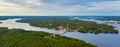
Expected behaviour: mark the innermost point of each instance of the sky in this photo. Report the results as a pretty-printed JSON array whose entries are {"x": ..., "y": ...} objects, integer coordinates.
[{"x": 59, "y": 7}]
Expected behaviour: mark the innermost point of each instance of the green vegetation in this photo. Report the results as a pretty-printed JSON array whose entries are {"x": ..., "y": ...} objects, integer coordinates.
[
  {"x": 70, "y": 25},
  {"x": 22, "y": 38}
]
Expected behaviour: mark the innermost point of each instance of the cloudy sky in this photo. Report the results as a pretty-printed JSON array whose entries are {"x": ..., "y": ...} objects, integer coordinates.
[{"x": 59, "y": 7}]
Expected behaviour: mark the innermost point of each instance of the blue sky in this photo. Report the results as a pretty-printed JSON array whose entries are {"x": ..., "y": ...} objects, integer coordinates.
[{"x": 60, "y": 7}]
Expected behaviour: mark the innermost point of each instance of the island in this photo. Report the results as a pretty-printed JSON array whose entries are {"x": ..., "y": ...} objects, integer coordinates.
[
  {"x": 0, "y": 22},
  {"x": 22, "y": 38},
  {"x": 70, "y": 25}
]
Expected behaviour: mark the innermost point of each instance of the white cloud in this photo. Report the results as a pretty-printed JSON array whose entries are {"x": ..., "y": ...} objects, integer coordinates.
[
  {"x": 108, "y": 5},
  {"x": 12, "y": 8},
  {"x": 37, "y": 7}
]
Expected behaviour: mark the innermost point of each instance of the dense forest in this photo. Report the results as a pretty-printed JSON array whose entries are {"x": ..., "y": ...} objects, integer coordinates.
[
  {"x": 70, "y": 25},
  {"x": 22, "y": 38}
]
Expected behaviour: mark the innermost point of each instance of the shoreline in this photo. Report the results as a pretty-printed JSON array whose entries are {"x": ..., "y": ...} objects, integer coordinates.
[{"x": 76, "y": 35}]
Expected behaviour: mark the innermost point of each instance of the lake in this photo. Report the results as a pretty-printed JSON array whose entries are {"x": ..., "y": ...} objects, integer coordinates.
[{"x": 101, "y": 40}]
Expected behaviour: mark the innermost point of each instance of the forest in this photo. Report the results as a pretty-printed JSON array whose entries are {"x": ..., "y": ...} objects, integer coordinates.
[
  {"x": 22, "y": 38},
  {"x": 70, "y": 25}
]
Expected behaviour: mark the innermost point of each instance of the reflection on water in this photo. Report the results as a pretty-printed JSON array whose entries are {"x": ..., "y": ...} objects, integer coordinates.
[{"x": 102, "y": 40}]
